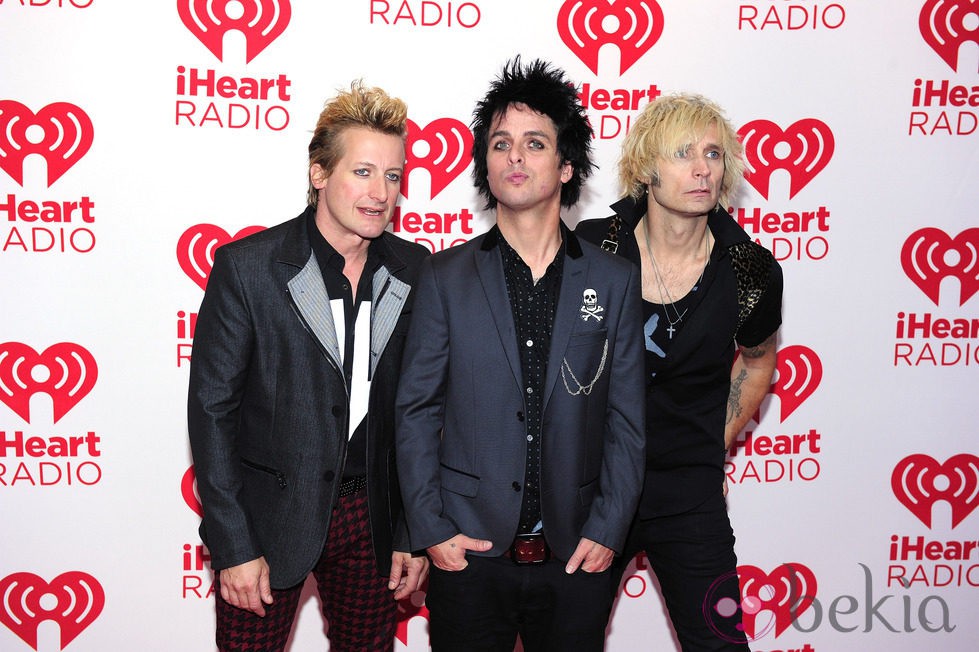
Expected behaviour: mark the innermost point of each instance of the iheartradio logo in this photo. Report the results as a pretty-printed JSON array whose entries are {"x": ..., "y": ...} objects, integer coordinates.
[
  {"x": 919, "y": 481},
  {"x": 195, "y": 249},
  {"x": 802, "y": 150},
  {"x": 443, "y": 148},
  {"x": 259, "y": 21},
  {"x": 929, "y": 255},
  {"x": 784, "y": 594},
  {"x": 73, "y": 600},
  {"x": 943, "y": 25},
  {"x": 61, "y": 133},
  {"x": 65, "y": 371},
  {"x": 798, "y": 373},
  {"x": 188, "y": 489},
  {"x": 633, "y": 26}
]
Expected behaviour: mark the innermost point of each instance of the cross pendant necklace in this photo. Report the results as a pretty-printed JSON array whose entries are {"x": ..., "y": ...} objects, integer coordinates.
[{"x": 664, "y": 292}]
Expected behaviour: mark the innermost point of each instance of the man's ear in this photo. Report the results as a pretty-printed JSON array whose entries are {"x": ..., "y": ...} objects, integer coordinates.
[
  {"x": 318, "y": 176},
  {"x": 567, "y": 171}
]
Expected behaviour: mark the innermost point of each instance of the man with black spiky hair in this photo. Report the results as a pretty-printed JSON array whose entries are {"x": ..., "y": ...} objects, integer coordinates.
[{"x": 519, "y": 413}]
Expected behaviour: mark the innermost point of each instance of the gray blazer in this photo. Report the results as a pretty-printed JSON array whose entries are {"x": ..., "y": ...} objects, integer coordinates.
[
  {"x": 461, "y": 437},
  {"x": 267, "y": 407}
]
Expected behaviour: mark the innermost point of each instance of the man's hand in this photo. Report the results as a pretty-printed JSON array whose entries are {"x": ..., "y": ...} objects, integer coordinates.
[
  {"x": 407, "y": 574},
  {"x": 450, "y": 555},
  {"x": 246, "y": 586},
  {"x": 590, "y": 556}
]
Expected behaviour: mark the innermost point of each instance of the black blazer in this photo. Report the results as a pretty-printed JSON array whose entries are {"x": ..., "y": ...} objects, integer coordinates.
[{"x": 267, "y": 408}]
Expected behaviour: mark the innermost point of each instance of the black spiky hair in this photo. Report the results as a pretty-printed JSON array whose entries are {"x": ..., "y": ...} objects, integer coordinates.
[{"x": 545, "y": 89}]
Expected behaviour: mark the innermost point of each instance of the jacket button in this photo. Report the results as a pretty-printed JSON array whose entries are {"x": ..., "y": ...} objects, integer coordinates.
[
  {"x": 328, "y": 476},
  {"x": 337, "y": 411},
  {"x": 519, "y": 415},
  {"x": 516, "y": 486}
]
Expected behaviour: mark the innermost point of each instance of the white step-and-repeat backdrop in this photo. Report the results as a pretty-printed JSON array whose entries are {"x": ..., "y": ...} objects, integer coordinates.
[{"x": 135, "y": 137}]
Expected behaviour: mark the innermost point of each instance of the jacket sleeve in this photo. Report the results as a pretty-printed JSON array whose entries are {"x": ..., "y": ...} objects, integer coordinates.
[
  {"x": 623, "y": 460},
  {"x": 223, "y": 345},
  {"x": 419, "y": 414}
]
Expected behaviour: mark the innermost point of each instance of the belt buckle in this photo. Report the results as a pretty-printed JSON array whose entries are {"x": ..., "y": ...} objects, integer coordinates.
[{"x": 530, "y": 549}]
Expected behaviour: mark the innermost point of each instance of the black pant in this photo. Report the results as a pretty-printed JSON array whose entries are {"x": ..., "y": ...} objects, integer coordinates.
[
  {"x": 693, "y": 557},
  {"x": 484, "y": 606}
]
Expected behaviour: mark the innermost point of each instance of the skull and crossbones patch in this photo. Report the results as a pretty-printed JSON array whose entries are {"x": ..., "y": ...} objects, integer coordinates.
[{"x": 590, "y": 307}]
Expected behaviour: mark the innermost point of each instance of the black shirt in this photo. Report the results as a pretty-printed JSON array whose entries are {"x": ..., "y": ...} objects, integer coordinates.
[
  {"x": 687, "y": 388},
  {"x": 338, "y": 287},
  {"x": 533, "y": 306}
]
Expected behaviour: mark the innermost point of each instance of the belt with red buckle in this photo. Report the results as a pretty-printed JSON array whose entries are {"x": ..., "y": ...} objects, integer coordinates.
[{"x": 529, "y": 549}]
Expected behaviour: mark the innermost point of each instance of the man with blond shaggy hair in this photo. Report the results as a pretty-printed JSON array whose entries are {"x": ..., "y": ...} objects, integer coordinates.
[
  {"x": 708, "y": 290},
  {"x": 291, "y": 405}
]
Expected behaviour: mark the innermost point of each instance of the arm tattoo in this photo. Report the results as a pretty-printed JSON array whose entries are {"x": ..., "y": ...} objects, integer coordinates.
[
  {"x": 734, "y": 397},
  {"x": 754, "y": 352}
]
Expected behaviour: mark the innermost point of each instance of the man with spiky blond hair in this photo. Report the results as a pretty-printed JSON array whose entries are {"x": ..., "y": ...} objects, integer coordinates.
[
  {"x": 291, "y": 404},
  {"x": 708, "y": 290}
]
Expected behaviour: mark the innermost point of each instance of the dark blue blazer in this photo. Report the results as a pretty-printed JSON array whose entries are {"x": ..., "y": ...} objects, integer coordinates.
[{"x": 461, "y": 437}]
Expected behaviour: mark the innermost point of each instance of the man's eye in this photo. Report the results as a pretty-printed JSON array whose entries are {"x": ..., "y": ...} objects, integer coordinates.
[
  {"x": 714, "y": 154},
  {"x": 535, "y": 144},
  {"x": 362, "y": 172},
  {"x": 394, "y": 177},
  {"x": 501, "y": 145},
  {"x": 680, "y": 153}
]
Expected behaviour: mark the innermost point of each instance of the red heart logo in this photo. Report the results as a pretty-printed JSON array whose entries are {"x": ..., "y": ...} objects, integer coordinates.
[
  {"x": 929, "y": 255},
  {"x": 787, "y": 592},
  {"x": 66, "y": 136},
  {"x": 943, "y": 25},
  {"x": 798, "y": 373},
  {"x": 633, "y": 26},
  {"x": 195, "y": 249},
  {"x": 443, "y": 147},
  {"x": 77, "y": 599},
  {"x": 260, "y": 22},
  {"x": 919, "y": 481},
  {"x": 802, "y": 150},
  {"x": 65, "y": 371}
]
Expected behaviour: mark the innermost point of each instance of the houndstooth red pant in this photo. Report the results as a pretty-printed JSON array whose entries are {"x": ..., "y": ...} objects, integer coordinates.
[{"x": 357, "y": 604}]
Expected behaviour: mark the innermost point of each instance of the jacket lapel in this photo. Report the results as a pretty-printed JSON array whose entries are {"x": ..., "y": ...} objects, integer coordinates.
[
  {"x": 566, "y": 315},
  {"x": 489, "y": 267},
  {"x": 388, "y": 296},
  {"x": 309, "y": 293}
]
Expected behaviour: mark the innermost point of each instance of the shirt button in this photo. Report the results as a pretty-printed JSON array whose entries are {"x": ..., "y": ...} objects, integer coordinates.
[
  {"x": 337, "y": 411},
  {"x": 530, "y": 438},
  {"x": 530, "y": 343},
  {"x": 519, "y": 415},
  {"x": 516, "y": 486},
  {"x": 530, "y": 390}
]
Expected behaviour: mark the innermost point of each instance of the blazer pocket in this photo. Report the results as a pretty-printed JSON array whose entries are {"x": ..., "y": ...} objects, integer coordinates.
[
  {"x": 458, "y": 482},
  {"x": 279, "y": 476},
  {"x": 590, "y": 338},
  {"x": 586, "y": 492}
]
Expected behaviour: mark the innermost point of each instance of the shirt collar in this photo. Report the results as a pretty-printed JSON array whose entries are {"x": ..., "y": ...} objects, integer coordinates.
[
  {"x": 377, "y": 250},
  {"x": 569, "y": 241}
]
